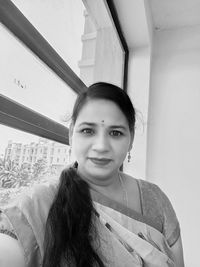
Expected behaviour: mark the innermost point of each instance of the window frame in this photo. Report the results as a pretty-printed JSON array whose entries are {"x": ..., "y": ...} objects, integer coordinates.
[
  {"x": 115, "y": 18},
  {"x": 22, "y": 118},
  {"x": 17, "y": 116}
]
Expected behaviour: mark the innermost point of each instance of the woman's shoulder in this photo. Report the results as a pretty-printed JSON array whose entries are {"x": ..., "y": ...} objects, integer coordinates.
[
  {"x": 28, "y": 215},
  {"x": 38, "y": 193},
  {"x": 149, "y": 194},
  {"x": 148, "y": 190},
  {"x": 31, "y": 207},
  {"x": 32, "y": 203},
  {"x": 153, "y": 199},
  {"x": 42, "y": 192},
  {"x": 152, "y": 194},
  {"x": 158, "y": 205},
  {"x": 37, "y": 200}
]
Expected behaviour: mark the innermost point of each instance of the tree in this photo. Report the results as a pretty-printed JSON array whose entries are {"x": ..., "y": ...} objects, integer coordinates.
[
  {"x": 39, "y": 168},
  {"x": 8, "y": 174},
  {"x": 25, "y": 175}
]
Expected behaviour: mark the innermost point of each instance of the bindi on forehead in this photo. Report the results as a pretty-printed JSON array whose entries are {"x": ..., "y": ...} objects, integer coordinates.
[{"x": 102, "y": 123}]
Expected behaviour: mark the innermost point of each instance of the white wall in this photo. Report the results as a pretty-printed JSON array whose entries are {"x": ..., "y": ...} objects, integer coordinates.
[
  {"x": 173, "y": 154},
  {"x": 138, "y": 89}
]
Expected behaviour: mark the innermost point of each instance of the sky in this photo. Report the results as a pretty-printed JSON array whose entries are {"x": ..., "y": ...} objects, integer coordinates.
[{"x": 27, "y": 80}]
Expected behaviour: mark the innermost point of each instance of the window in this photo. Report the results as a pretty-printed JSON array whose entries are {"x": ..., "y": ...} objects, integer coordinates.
[
  {"x": 30, "y": 82},
  {"x": 103, "y": 54},
  {"x": 61, "y": 23},
  {"x": 94, "y": 50},
  {"x": 18, "y": 172},
  {"x": 43, "y": 69}
]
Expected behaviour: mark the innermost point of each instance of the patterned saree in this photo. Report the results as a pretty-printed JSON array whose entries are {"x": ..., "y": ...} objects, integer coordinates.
[{"x": 126, "y": 238}]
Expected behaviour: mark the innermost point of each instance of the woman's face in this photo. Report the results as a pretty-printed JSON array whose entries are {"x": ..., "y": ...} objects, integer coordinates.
[{"x": 100, "y": 139}]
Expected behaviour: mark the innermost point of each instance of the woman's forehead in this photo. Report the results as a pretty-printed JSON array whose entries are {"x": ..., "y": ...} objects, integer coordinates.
[{"x": 101, "y": 111}]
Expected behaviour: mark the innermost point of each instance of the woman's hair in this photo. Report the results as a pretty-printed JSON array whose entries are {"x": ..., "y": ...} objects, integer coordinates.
[
  {"x": 110, "y": 92},
  {"x": 70, "y": 228}
]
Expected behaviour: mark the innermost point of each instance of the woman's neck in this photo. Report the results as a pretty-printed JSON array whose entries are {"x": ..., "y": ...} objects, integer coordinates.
[
  {"x": 110, "y": 186},
  {"x": 103, "y": 184}
]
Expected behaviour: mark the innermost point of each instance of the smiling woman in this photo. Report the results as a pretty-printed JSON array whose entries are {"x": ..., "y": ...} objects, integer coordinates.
[
  {"x": 97, "y": 215},
  {"x": 100, "y": 148}
]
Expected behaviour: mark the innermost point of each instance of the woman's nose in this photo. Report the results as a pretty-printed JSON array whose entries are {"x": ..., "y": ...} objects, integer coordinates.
[{"x": 101, "y": 143}]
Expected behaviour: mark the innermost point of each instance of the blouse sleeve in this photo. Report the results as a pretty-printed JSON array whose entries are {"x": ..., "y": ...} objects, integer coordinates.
[
  {"x": 6, "y": 226},
  {"x": 27, "y": 215},
  {"x": 157, "y": 206},
  {"x": 171, "y": 228}
]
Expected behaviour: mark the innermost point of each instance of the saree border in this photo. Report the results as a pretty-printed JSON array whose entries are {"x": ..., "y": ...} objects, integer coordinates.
[{"x": 106, "y": 201}]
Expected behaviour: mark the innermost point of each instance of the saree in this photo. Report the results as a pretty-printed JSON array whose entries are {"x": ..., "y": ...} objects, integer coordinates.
[
  {"x": 124, "y": 240},
  {"x": 145, "y": 244}
]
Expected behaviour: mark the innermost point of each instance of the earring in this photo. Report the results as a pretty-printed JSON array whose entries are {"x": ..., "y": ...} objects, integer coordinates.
[
  {"x": 69, "y": 152},
  {"x": 129, "y": 156}
]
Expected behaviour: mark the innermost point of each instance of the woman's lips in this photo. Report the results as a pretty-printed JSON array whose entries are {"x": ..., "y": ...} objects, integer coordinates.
[{"x": 100, "y": 161}]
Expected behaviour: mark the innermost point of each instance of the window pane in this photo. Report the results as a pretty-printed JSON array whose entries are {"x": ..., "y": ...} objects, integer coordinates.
[
  {"x": 60, "y": 23},
  {"x": 27, "y": 80},
  {"x": 102, "y": 54},
  {"x": 26, "y": 160},
  {"x": 84, "y": 35}
]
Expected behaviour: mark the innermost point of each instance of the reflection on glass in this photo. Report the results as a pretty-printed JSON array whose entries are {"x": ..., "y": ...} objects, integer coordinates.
[
  {"x": 28, "y": 81},
  {"x": 26, "y": 160},
  {"x": 60, "y": 23}
]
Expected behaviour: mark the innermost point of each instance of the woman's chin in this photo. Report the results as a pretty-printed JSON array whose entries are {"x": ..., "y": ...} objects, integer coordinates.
[{"x": 91, "y": 170}]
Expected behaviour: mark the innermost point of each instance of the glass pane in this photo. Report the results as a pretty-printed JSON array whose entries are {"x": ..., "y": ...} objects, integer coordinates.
[
  {"x": 28, "y": 81},
  {"x": 26, "y": 160},
  {"x": 102, "y": 53},
  {"x": 60, "y": 23},
  {"x": 84, "y": 35}
]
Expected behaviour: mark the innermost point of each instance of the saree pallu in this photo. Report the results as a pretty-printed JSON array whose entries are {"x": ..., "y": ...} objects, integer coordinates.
[
  {"x": 122, "y": 240},
  {"x": 130, "y": 242}
]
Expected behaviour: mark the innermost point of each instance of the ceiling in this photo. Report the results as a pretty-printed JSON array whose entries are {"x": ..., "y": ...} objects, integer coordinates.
[{"x": 139, "y": 18}]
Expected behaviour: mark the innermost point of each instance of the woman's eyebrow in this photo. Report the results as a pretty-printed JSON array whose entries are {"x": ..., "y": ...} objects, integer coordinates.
[
  {"x": 87, "y": 124},
  {"x": 92, "y": 124},
  {"x": 118, "y": 127}
]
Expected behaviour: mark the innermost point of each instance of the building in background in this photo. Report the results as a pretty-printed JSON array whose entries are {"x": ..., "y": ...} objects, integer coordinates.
[{"x": 54, "y": 154}]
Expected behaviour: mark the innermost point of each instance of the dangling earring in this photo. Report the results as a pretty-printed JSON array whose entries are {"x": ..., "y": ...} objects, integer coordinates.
[
  {"x": 69, "y": 153},
  {"x": 129, "y": 156}
]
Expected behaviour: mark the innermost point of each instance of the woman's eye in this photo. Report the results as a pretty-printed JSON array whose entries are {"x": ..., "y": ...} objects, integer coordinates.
[
  {"x": 116, "y": 133},
  {"x": 87, "y": 131}
]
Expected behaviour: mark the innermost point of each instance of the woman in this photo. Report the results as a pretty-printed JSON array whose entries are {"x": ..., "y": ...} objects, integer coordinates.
[{"x": 97, "y": 215}]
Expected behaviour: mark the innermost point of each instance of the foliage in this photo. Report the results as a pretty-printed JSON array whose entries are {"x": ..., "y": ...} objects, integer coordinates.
[
  {"x": 8, "y": 174},
  {"x": 14, "y": 178},
  {"x": 39, "y": 168}
]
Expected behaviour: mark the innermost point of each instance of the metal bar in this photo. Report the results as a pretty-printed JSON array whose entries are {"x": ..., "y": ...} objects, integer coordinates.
[
  {"x": 17, "y": 23},
  {"x": 122, "y": 39},
  {"x": 18, "y": 116}
]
